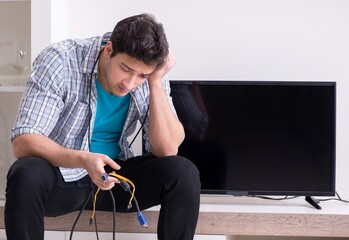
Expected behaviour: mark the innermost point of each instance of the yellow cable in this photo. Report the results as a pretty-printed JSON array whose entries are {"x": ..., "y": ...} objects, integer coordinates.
[
  {"x": 94, "y": 204},
  {"x": 113, "y": 174}
]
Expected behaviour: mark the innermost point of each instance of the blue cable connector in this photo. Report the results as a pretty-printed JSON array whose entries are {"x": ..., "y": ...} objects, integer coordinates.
[{"x": 142, "y": 220}]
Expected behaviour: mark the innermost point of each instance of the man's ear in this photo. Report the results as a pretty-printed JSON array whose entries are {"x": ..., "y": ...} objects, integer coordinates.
[{"x": 109, "y": 48}]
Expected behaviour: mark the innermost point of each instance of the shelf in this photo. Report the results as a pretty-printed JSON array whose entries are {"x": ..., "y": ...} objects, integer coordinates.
[
  {"x": 12, "y": 83},
  {"x": 18, "y": 89},
  {"x": 246, "y": 217}
]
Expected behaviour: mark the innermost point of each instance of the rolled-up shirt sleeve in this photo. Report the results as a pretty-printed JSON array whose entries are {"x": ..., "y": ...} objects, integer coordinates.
[{"x": 41, "y": 102}]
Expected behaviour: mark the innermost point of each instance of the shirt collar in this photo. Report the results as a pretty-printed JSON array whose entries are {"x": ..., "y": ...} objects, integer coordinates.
[{"x": 92, "y": 54}]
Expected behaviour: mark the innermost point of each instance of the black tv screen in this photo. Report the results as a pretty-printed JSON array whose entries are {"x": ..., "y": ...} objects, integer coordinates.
[{"x": 259, "y": 137}]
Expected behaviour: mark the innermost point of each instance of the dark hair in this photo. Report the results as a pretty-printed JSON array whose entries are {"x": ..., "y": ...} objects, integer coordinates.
[{"x": 141, "y": 37}]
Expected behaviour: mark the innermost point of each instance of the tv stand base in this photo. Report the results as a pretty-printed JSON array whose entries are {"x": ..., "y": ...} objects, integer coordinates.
[{"x": 312, "y": 201}]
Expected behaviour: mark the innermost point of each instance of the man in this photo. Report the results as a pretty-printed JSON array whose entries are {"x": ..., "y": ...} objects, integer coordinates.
[{"x": 81, "y": 103}]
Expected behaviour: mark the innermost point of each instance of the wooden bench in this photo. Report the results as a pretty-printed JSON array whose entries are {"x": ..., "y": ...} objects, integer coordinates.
[{"x": 217, "y": 223}]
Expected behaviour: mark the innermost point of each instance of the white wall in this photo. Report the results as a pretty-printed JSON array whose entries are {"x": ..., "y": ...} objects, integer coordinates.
[{"x": 242, "y": 40}]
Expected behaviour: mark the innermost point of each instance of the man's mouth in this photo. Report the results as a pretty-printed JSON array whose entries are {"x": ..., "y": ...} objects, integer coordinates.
[{"x": 123, "y": 89}]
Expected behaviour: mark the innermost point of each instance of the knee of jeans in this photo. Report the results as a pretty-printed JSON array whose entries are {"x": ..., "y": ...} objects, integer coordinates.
[
  {"x": 186, "y": 171},
  {"x": 27, "y": 172}
]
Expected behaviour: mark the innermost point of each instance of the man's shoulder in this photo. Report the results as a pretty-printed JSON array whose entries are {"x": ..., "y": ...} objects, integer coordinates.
[
  {"x": 72, "y": 51},
  {"x": 74, "y": 45}
]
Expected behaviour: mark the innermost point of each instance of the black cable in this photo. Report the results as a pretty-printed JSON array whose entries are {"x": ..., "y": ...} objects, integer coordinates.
[
  {"x": 272, "y": 198},
  {"x": 96, "y": 228},
  {"x": 114, "y": 212},
  {"x": 338, "y": 198},
  {"x": 124, "y": 184},
  {"x": 79, "y": 214},
  {"x": 141, "y": 218},
  {"x": 143, "y": 122},
  {"x": 135, "y": 201},
  {"x": 127, "y": 188},
  {"x": 334, "y": 199},
  {"x": 89, "y": 146},
  {"x": 89, "y": 98}
]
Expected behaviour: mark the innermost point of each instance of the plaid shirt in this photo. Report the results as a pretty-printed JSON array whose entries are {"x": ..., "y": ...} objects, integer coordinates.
[{"x": 55, "y": 102}]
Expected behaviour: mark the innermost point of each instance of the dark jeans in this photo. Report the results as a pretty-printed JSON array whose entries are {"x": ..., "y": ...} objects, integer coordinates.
[{"x": 36, "y": 189}]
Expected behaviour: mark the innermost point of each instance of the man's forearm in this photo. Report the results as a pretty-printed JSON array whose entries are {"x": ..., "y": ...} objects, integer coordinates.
[
  {"x": 41, "y": 146},
  {"x": 166, "y": 132}
]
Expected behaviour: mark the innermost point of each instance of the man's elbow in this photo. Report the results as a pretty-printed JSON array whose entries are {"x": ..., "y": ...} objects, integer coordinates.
[
  {"x": 166, "y": 151},
  {"x": 16, "y": 149},
  {"x": 19, "y": 147}
]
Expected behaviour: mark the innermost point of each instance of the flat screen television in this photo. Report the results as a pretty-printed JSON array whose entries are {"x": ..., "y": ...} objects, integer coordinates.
[{"x": 260, "y": 137}]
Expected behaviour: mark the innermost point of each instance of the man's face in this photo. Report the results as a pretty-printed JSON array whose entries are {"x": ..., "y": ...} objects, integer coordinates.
[{"x": 124, "y": 73}]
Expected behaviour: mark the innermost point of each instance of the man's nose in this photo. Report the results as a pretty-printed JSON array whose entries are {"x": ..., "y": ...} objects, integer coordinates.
[{"x": 130, "y": 82}]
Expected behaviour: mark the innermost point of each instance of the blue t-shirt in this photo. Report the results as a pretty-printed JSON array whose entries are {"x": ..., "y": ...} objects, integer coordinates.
[{"x": 110, "y": 119}]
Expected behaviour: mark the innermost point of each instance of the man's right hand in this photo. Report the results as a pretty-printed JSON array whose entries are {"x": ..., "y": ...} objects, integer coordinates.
[{"x": 94, "y": 163}]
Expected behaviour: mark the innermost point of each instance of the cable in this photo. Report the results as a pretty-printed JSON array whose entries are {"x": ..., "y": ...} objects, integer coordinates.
[
  {"x": 143, "y": 122},
  {"x": 79, "y": 214},
  {"x": 124, "y": 182},
  {"x": 96, "y": 228},
  {"x": 335, "y": 199},
  {"x": 89, "y": 147},
  {"x": 114, "y": 211},
  {"x": 89, "y": 104},
  {"x": 95, "y": 221},
  {"x": 89, "y": 97},
  {"x": 338, "y": 198},
  {"x": 271, "y": 198}
]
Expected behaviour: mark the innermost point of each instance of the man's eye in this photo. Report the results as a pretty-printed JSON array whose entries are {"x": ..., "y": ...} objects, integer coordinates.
[{"x": 125, "y": 69}]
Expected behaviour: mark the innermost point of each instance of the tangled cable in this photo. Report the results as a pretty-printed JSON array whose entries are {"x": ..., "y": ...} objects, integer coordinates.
[{"x": 126, "y": 184}]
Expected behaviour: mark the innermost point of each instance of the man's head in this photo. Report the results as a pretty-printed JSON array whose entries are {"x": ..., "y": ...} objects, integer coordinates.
[
  {"x": 138, "y": 45},
  {"x": 140, "y": 37}
]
